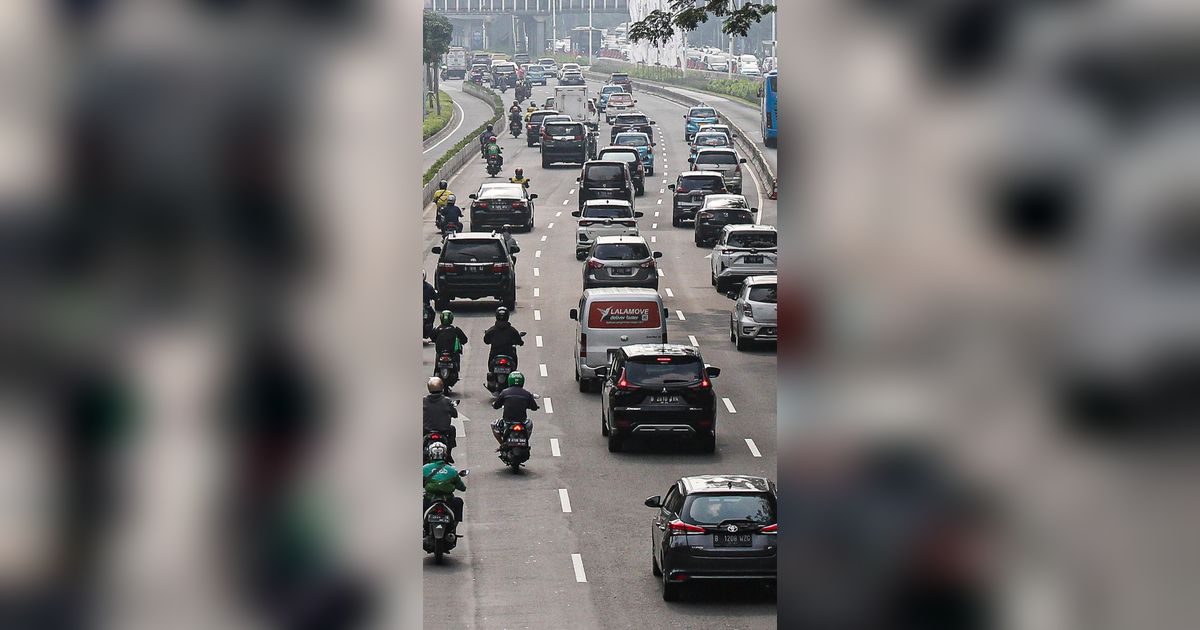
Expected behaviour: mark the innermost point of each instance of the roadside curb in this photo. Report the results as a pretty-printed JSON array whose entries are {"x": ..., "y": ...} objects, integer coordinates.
[{"x": 464, "y": 155}]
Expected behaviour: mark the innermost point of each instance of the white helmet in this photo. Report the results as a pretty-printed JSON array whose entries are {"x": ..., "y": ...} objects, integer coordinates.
[{"x": 437, "y": 451}]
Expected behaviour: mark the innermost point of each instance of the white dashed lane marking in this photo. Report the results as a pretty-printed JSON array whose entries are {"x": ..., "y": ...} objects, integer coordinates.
[
  {"x": 565, "y": 500},
  {"x": 565, "y": 201},
  {"x": 537, "y": 292},
  {"x": 656, "y": 213},
  {"x": 536, "y": 272},
  {"x": 538, "y": 341},
  {"x": 577, "y": 560},
  {"x": 554, "y": 448},
  {"x": 537, "y": 254},
  {"x": 729, "y": 405},
  {"x": 679, "y": 314},
  {"x": 692, "y": 338},
  {"x": 670, "y": 293},
  {"x": 653, "y": 226},
  {"x": 659, "y": 203},
  {"x": 542, "y": 369},
  {"x": 753, "y": 448},
  {"x": 549, "y": 405},
  {"x": 537, "y": 315},
  {"x": 543, "y": 238},
  {"x": 551, "y": 226},
  {"x": 558, "y": 214},
  {"x": 653, "y": 239}
]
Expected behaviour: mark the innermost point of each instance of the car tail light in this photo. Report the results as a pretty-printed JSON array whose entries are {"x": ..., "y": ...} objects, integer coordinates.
[
  {"x": 649, "y": 264},
  {"x": 681, "y": 189},
  {"x": 592, "y": 264},
  {"x": 679, "y": 577},
  {"x": 678, "y": 527},
  {"x": 747, "y": 310},
  {"x": 518, "y": 427},
  {"x": 737, "y": 169},
  {"x": 578, "y": 138},
  {"x": 703, "y": 384},
  {"x": 623, "y": 383},
  {"x": 585, "y": 223},
  {"x": 582, "y": 345},
  {"x": 479, "y": 204},
  {"x": 704, "y": 216},
  {"x": 499, "y": 267},
  {"x": 770, "y": 529},
  {"x": 518, "y": 204},
  {"x": 447, "y": 266}
]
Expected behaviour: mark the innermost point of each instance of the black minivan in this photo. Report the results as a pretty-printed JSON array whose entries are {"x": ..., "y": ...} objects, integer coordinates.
[
  {"x": 605, "y": 179},
  {"x": 719, "y": 211}
]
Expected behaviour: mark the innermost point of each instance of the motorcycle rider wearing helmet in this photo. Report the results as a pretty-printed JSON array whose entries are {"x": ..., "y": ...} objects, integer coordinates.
[
  {"x": 529, "y": 110},
  {"x": 451, "y": 213},
  {"x": 429, "y": 294},
  {"x": 440, "y": 479},
  {"x": 503, "y": 337},
  {"x": 493, "y": 150},
  {"x": 516, "y": 401},
  {"x": 436, "y": 413},
  {"x": 483, "y": 140},
  {"x": 442, "y": 194},
  {"x": 519, "y": 178},
  {"x": 448, "y": 338}
]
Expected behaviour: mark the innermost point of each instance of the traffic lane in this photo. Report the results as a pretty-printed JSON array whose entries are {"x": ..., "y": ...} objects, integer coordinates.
[{"x": 473, "y": 112}]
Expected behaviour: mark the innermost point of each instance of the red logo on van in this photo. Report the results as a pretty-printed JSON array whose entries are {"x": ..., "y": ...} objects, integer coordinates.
[{"x": 624, "y": 315}]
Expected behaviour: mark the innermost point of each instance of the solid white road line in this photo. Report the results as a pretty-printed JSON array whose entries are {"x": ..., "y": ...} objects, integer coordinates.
[
  {"x": 462, "y": 117},
  {"x": 679, "y": 314},
  {"x": 554, "y": 448},
  {"x": 577, "y": 560},
  {"x": 566, "y": 504},
  {"x": 538, "y": 340},
  {"x": 669, "y": 293},
  {"x": 537, "y": 315},
  {"x": 542, "y": 369},
  {"x": 729, "y": 405},
  {"x": 549, "y": 405},
  {"x": 753, "y": 448},
  {"x": 692, "y": 338}
]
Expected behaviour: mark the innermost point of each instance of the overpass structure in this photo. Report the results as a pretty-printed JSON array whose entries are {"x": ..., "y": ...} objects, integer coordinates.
[{"x": 519, "y": 25}]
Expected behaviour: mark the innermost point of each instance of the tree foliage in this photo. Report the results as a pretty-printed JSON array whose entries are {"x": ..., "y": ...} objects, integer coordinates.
[
  {"x": 659, "y": 26},
  {"x": 438, "y": 30}
]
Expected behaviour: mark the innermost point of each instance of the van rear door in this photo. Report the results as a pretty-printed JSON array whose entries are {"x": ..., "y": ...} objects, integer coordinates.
[{"x": 609, "y": 320}]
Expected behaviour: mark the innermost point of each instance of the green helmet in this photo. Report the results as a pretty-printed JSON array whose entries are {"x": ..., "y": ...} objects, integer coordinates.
[
  {"x": 516, "y": 379},
  {"x": 447, "y": 318}
]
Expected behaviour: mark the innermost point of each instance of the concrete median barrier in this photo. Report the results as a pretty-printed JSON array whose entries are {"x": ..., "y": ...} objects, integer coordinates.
[{"x": 467, "y": 151}]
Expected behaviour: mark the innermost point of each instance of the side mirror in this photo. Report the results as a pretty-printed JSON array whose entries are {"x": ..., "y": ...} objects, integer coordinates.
[
  {"x": 653, "y": 144},
  {"x": 575, "y": 313},
  {"x": 638, "y": 215},
  {"x": 464, "y": 472},
  {"x": 754, "y": 210},
  {"x": 533, "y": 196},
  {"x": 635, "y": 100},
  {"x": 742, "y": 161},
  {"x": 578, "y": 179},
  {"x": 671, "y": 186},
  {"x": 651, "y": 122},
  {"x": 658, "y": 254},
  {"x": 602, "y": 371},
  {"x": 473, "y": 196},
  {"x": 576, "y": 213},
  {"x": 692, "y": 159},
  {"x": 712, "y": 371},
  {"x": 436, "y": 250},
  {"x": 516, "y": 249},
  {"x": 654, "y": 502}
]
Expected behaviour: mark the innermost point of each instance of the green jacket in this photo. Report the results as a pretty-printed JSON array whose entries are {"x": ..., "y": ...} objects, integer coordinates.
[
  {"x": 493, "y": 149},
  {"x": 441, "y": 479}
]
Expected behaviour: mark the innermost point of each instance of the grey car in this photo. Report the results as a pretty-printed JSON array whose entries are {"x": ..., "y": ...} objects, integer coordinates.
[
  {"x": 755, "y": 312},
  {"x": 620, "y": 261},
  {"x": 722, "y": 160}
]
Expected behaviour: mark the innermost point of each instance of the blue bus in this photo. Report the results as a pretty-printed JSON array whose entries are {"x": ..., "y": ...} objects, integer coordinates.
[{"x": 768, "y": 106}]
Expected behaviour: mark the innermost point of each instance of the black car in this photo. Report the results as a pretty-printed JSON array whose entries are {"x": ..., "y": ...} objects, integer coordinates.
[
  {"x": 533, "y": 126},
  {"x": 628, "y": 155},
  {"x": 690, "y": 189},
  {"x": 572, "y": 78},
  {"x": 658, "y": 388},
  {"x": 719, "y": 211},
  {"x": 622, "y": 79},
  {"x": 630, "y": 122},
  {"x": 499, "y": 204},
  {"x": 715, "y": 527},
  {"x": 476, "y": 265},
  {"x": 605, "y": 179},
  {"x": 564, "y": 142}
]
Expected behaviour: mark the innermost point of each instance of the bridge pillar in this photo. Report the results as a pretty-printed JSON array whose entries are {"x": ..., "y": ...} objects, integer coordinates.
[{"x": 535, "y": 28}]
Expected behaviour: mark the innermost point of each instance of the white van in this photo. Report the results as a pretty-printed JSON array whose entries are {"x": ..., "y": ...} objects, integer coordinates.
[
  {"x": 572, "y": 101},
  {"x": 610, "y": 318}
]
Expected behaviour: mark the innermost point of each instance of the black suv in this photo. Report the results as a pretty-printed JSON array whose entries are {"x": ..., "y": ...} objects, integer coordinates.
[
  {"x": 690, "y": 189},
  {"x": 533, "y": 126},
  {"x": 605, "y": 179},
  {"x": 709, "y": 527},
  {"x": 719, "y": 211},
  {"x": 658, "y": 388},
  {"x": 630, "y": 122},
  {"x": 633, "y": 160},
  {"x": 499, "y": 204},
  {"x": 564, "y": 142},
  {"x": 476, "y": 265}
]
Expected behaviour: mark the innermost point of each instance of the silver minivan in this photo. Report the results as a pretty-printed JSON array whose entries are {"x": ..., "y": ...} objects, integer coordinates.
[
  {"x": 603, "y": 217},
  {"x": 754, "y": 316},
  {"x": 610, "y": 318},
  {"x": 621, "y": 261}
]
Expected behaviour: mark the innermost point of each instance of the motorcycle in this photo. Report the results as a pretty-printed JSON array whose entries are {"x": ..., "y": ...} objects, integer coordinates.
[
  {"x": 440, "y": 527},
  {"x": 428, "y": 315},
  {"x": 514, "y": 127},
  {"x": 514, "y": 444},
  {"x": 493, "y": 165},
  {"x": 451, "y": 227},
  {"x": 447, "y": 369}
]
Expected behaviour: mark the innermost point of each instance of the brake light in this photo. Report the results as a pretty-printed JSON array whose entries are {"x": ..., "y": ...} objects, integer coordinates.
[
  {"x": 518, "y": 204},
  {"x": 681, "y": 189},
  {"x": 499, "y": 267},
  {"x": 770, "y": 529},
  {"x": 578, "y": 137},
  {"x": 447, "y": 266},
  {"x": 623, "y": 383},
  {"x": 582, "y": 345},
  {"x": 678, "y": 527},
  {"x": 704, "y": 216},
  {"x": 518, "y": 427},
  {"x": 592, "y": 264},
  {"x": 747, "y": 310},
  {"x": 585, "y": 223},
  {"x": 737, "y": 169},
  {"x": 479, "y": 204},
  {"x": 649, "y": 264},
  {"x": 704, "y": 383}
]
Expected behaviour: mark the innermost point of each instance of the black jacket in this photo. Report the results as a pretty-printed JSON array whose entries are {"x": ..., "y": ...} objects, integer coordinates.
[
  {"x": 503, "y": 339},
  {"x": 515, "y": 401},
  {"x": 444, "y": 336},
  {"x": 436, "y": 412},
  {"x": 428, "y": 292}
]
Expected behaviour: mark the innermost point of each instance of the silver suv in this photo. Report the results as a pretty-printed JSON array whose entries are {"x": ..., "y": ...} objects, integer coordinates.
[
  {"x": 603, "y": 217},
  {"x": 754, "y": 316},
  {"x": 743, "y": 251},
  {"x": 722, "y": 160},
  {"x": 621, "y": 261}
]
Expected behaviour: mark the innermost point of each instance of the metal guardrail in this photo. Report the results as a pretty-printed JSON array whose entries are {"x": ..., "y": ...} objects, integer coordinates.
[{"x": 467, "y": 152}]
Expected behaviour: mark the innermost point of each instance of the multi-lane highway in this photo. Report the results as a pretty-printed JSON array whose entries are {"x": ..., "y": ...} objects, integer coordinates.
[{"x": 566, "y": 543}]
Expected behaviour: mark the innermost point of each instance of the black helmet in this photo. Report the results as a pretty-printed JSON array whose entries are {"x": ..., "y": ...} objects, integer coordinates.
[
  {"x": 489, "y": 127},
  {"x": 443, "y": 184},
  {"x": 520, "y": 172},
  {"x": 502, "y": 314}
]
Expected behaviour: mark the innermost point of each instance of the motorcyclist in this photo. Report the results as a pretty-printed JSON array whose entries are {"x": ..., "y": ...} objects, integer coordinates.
[
  {"x": 493, "y": 150},
  {"x": 483, "y": 140},
  {"x": 440, "y": 479},
  {"x": 436, "y": 413},
  {"x": 529, "y": 110},
  {"x": 429, "y": 294},
  {"x": 516, "y": 401},
  {"x": 448, "y": 338},
  {"x": 440, "y": 196},
  {"x": 503, "y": 337},
  {"x": 450, "y": 213},
  {"x": 519, "y": 177}
]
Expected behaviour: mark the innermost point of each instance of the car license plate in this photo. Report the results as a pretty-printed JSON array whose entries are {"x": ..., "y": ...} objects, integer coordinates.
[
  {"x": 665, "y": 400},
  {"x": 622, "y": 271},
  {"x": 604, "y": 193},
  {"x": 769, "y": 330},
  {"x": 733, "y": 540},
  {"x": 474, "y": 269},
  {"x": 752, "y": 260}
]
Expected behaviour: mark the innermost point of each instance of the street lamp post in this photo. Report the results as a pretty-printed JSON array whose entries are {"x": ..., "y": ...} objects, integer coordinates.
[{"x": 591, "y": 34}]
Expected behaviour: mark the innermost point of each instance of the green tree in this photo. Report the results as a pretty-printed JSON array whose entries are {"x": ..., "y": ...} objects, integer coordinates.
[
  {"x": 437, "y": 33},
  {"x": 686, "y": 15}
]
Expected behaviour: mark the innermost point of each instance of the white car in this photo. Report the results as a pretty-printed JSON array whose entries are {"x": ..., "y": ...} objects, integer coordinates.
[
  {"x": 603, "y": 217},
  {"x": 618, "y": 103},
  {"x": 743, "y": 251},
  {"x": 749, "y": 70},
  {"x": 755, "y": 312},
  {"x": 568, "y": 67},
  {"x": 549, "y": 65}
]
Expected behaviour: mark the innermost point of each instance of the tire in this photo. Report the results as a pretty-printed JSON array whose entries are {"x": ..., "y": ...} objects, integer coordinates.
[
  {"x": 650, "y": 171},
  {"x": 580, "y": 255},
  {"x": 584, "y": 385},
  {"x": 771, "y": 142},
  {"x": 670, "y": 590},
  {"x": 675, "y": 220},
  {"x": 438, "y": 551},
  {"x": 614, "y": 443},
  {"x": 712, "y": 277},
  {"x": 654, "y": 563},
  {"x": 516, "y": 467},
  {"x": 545, "y": 162},
  {"x": 708, "y": 444},
  {"x": 510, "y": 300},
  {"x": 732, "y": 335},
  {"x": 742, "y": 344},
  {"x": 722, "y": 286},
  {"x": 641, "y": 190}
]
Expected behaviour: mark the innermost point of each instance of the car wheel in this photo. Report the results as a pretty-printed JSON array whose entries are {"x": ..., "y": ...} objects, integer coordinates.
[
  {"x": 580, "y": 255},
  {"x": 584, "y": 385},
  {"x": 510, "y": 300},
  {"x": 614, "y": 443},
  {"x": 670, "y": 591},
  {"x": 650, "y": 171},
  {"x": 712, "y": 277},
  {"x": 641, "y": 190},
  {"x": 654, "y": 563},
  {"x": 742, "y": 343},
  {"x": 732, "y": 337},
  {"x": 675, "y": 221},
  {"x": 708, "y": 444},
  {"x": 722, "y": 286}
]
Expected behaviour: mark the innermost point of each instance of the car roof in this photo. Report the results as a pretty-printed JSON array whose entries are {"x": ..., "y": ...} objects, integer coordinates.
[
  {"x": 660, "y": 349},
  {"x": 620, "y": 240},
  {"x": 606, "y": 203},
  {"x": 623, "y": 292},
  {"x": 618, "y": 148},
  {"x": 757, "y": 280},
  {"x": 715, "y": 150},
  {"x": 547, "y": 112},
  {"x": 724, "y": 484},
  {"x": 608, "y": 162},
  {"x": 632, "y": 133},
  {"x": 701, "y": 106},
  {"x": 493, "y": 188}
]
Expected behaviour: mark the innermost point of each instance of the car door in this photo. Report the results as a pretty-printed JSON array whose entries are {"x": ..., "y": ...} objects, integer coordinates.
[
  {"x": 713, "y": 262},
  {"x": 615, "y": 364},
  {"x": 672, "y": 502}
]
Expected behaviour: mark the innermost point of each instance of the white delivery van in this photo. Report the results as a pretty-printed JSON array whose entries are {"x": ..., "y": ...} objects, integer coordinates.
[
  {"x": 610, "y": 318},
  {"x": 456, "y": 63},
  {"x": 572, "y": 101}
]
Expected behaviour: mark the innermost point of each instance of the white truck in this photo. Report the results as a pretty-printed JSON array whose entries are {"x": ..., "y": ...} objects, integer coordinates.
[
  {"x": 572, "y": 100},
  {"x": 456, "y": 63}
]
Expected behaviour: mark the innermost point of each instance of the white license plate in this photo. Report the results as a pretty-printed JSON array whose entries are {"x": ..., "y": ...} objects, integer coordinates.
[
  {"x": 518, "y": 441},
  {"x": 434, "y": 518}
]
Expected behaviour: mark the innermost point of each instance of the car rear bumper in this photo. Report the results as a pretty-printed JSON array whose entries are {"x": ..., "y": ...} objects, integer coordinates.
[
  {"x": 590, "y": 281},
  {"x": 759, "y": 331},
  {"x": 682, "y": 562},
  {"x": 492, "y": 221},
  {"x": 692, "y": 421},
  {"x": 459, "y": 288}
]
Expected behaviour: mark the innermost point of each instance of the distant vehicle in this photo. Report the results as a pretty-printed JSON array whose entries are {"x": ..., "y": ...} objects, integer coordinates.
[
  {"x": 610, "y": 318},
  {"x": 498, "y": 204},
  {"x": 743, "y": 251},
  {"x": 521, "y": 58},
  {"x": 570, "y": 66},
  {"x": 717, "y": 212},
  {"x": 456, "y": 63},
  {"x": 754, "y": 317},
  {"x": 718, "y": 128},
  {"x": 572, "y": 101},
  {"x": 606, "y": 92},
  {"x": 689, "y": 191},
  {"x": 535, "y": 74},
  {"x": 618, "y": 103},
  {"x": 768, "y": 108},
  {"x": 622, "y": 79},
  {"x": 475, "y": 265},
  {"x": 707, "y": 139},
  {"x": 640, "y": 142},
  {"x": 629, "y": 122},
  {"x": 747, "y": 58},
  {"x": 749, "y": 70},
  {"x": 620, "y": 261},
  {"x": 603, "y": 217},
  {"x": 572, "y": 77},
  {"x": 533, "y": 126},
  {"x": 564, "y": 142},
  {"x": 549, "y": 64},
  {"x": 695, "y": 117},
  {"x": 632, "y": 160},
  {"x": 723, "y": 160},
  {"x": 605, "y": 179}
]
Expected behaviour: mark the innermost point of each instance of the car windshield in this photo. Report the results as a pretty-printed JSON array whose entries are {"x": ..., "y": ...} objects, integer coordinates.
[
  {"x": 460, "y": 251},
  {"x": 713, "y": 509},
  {"x": 632, "y": 140},
  {"x": 563, "y": 129},
  {"x": 607, "y": 212},
  {"x": 502, "y": 191},
  {"x": 537, "y": 117},
  {"x": 605, "y": 174},
  {"x": 765, "y": 293},
  {"x": 671, "y": 370},
  {"x": 751, "y": 240},
  {"x": 702, "y": 183},
  {"x": 621, "y": 251},
  {"x": 704, "y": 112},
  {"x": 716, "y": 157}
]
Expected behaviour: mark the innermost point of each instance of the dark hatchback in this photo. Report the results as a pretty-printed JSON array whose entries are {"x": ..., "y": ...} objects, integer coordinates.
[
  {"x": 533, "y": 126},
  {"x": 630, "y": 122},
  {"x": 715, "y": 527},
  {"x": 719, "y": 211},
  {"x": 564, "y": 142},
  {"x": 500, "y": 204},
  {"x": 605, "y": 179},
  {"x": 662, "y": 389},
  {"x": 689, "y": 191},
  {"x": 630, "y": 157},
  {"x": 475, "y": 265}
]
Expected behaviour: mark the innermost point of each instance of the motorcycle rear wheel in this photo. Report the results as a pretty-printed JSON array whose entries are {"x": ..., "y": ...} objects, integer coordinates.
[{"x": 439, "y": 551}]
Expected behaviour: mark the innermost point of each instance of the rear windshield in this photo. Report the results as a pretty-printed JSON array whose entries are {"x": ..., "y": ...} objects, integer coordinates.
[
  {"x": 728, "y": 202},
  {"x": 703, "y": 183},
  {"x": 713, "y": 509},
  {"x": 605, "y": 174},
  {"x": 501, "y": 192},
  {"x": 536, "y": 117},
  {"x": 546, "y": 61},
  {"x": 712, "y": 140},
  {"x": 458, "y": 251},
  {"x": 767, "y": 293},
  {"x": 716, "y": 158},
  {"x": 607, "y": 212},
  {"x": 535, "y": 69},
  {"x": 623, "y": 156},
  {"x": 731, "y": 217},
  {"x": 704, "y": 112},
  {"x": 620, "y": 97},
  {"x": 631, "y": 119},
  {"x": 620, "y": 76},
  {"x": 632, "y": 141},
  {"x": 563, "y": 129},
  {"x": 621, "y": 251},
  {"x": 664, "y": 370},
  {"x": 612, "y": 89},
  {"x": 752, "y": 240}
]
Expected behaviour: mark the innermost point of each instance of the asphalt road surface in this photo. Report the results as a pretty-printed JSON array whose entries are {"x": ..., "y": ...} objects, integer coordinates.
[
  {"x": 566, "y": 543},
  {"x": 471, "y": 113}
]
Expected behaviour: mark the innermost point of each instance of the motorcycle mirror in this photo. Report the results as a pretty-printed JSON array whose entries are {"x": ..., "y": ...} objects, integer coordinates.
[
  {"x": 473, "y": 196},
  {"x": 436, "y": 250},
  {"x": 533, "y": 196},
  {"x": 522, "y": 334},
  {"x": 464, "y": 472}
]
